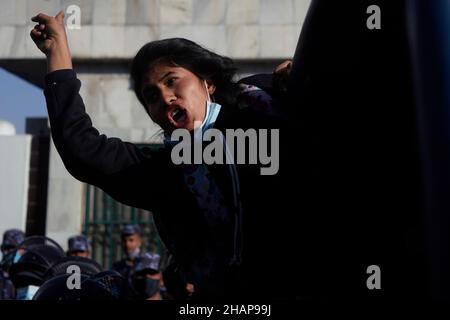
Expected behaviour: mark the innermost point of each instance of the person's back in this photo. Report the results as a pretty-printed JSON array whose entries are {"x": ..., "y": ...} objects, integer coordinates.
[{"x": 351, "y": 91}]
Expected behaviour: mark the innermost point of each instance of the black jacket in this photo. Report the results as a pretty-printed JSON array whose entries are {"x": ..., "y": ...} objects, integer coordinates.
[{"x": 148, "y": 179}]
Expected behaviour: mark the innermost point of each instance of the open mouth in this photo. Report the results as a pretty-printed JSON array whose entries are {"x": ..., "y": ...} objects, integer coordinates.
[{"x": 178, "y": 117}]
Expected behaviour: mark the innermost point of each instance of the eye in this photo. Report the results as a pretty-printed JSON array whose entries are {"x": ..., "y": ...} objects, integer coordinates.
[{"x": 170, "y": 81}]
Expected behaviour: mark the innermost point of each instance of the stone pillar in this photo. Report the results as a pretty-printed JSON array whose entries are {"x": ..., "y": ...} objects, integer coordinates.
[
  {"x": 65, "y": 201},
  {"x": 14, "y": 173}
]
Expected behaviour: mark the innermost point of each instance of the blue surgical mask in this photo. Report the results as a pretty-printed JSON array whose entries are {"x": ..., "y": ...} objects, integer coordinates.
[
  {"x": 212, "y": 112},
  {"x": 26, "y": 293},
  {"x": 17, "y": 257}
]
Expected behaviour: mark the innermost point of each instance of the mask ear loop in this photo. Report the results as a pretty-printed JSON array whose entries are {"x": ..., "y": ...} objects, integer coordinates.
[{"x": 210, "y": 97}]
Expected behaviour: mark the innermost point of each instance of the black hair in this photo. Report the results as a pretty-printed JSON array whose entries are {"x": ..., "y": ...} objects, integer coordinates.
[{"x": 204, "y": 63}]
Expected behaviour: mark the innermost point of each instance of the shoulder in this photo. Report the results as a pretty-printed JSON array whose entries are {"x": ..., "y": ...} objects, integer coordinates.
[
  {"x": 256, "y": 99},
  {"x": 257, "y": 92}
]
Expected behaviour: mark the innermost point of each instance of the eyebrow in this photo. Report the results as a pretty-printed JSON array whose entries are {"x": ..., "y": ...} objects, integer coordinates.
[{"x": 167, "y": 74}]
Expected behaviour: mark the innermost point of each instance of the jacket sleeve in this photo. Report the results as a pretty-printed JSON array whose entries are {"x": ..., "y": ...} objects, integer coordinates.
[{"x": 119, "y": 168}]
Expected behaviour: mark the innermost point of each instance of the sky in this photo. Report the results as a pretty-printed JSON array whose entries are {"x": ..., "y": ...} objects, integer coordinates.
[{"x": 19, "y": 99}]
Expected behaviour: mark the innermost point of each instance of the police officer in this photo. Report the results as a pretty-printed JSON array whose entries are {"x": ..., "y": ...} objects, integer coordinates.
[
  {"x": 78, "y": 246},
  {"x": 131, "y": 243},
  {"x": 11, "y": 239},
  {"x": 147, "y": 277}
]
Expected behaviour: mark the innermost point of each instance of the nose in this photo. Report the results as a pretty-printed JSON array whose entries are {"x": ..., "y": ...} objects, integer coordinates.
[{"x": 168, "y": 96}]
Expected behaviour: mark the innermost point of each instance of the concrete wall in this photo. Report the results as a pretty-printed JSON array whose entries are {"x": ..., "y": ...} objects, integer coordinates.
[
  {"x": 14, "y": 174},
  {"x": 118, "y": 28},
  {"x": 114, "y": 108}
]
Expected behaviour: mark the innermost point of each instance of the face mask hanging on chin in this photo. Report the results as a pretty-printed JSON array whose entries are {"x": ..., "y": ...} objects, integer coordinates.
[{"x": 211, "y": 113}]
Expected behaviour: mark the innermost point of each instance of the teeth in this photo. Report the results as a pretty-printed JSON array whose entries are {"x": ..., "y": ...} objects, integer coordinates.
[{"x": 174, "y": 114}]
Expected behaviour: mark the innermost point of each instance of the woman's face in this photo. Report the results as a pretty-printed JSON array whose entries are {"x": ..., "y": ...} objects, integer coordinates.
[{"x": 175, "y": 97}]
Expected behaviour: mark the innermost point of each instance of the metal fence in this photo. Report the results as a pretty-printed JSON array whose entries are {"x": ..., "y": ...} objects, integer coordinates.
[{"x": 103, "y": 220}]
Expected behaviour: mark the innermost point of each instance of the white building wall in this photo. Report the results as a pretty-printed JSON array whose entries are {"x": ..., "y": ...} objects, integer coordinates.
[
  {"x": 14, "y": 175},
  {"x": 65, "y": 201},
  {"x": 251, "y": 29}
]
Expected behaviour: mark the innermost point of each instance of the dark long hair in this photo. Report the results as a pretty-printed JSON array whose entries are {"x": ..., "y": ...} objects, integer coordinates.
[{"x": 205, "y": 64}]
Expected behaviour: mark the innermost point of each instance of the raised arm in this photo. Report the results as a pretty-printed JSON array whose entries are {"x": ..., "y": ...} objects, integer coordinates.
[{"x": 119, "y": 168}]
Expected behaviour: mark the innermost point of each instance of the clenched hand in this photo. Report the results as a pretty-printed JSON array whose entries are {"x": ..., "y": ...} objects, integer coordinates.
[{"x": 50, "y": 37}]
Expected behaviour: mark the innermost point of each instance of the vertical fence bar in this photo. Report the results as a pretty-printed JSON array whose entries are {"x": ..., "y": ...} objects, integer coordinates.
[
  {"x": 87, "y": 210},
  {"x": 133, "y": 215},
  {"x": 94, "y": 224},
  {"x": 105, "y": 226},
  {"x": 113, "y": 216}
]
